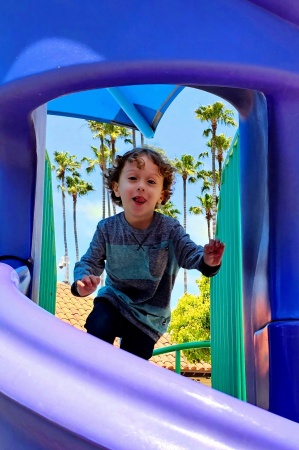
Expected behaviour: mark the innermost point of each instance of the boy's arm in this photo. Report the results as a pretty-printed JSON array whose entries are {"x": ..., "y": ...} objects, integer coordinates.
[
  {"x": 189, "y": 255},
  {"x": 213, "y": 252},
  {"x": 208, "y": 271},
  {"x": 86, "y": 286},
  {"x": 212, "y": 257},
  {"x": 88, "y": 270}
]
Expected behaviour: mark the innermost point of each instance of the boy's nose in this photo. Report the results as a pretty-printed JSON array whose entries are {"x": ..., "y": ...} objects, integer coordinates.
[{"x": 141, "y": 185}]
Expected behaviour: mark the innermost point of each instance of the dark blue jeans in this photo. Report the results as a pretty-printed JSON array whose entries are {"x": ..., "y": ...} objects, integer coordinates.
[{"x": 106, "y": 322}]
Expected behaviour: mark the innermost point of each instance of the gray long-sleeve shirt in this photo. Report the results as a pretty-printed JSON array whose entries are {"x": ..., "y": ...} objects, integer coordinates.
[{"x": 141, "y": 267}]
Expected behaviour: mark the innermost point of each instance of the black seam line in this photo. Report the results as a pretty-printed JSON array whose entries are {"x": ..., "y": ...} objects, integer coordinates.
[{"x": 141, "y": 244}]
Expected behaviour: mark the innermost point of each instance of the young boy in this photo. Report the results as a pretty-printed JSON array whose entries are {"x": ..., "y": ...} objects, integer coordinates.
[{"x": 142, "y": 252}]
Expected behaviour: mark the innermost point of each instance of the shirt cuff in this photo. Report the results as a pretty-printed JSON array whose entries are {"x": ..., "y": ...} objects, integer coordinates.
[
  {"x": 74, "y": 289},
  {"x": 208, "y": 271}
]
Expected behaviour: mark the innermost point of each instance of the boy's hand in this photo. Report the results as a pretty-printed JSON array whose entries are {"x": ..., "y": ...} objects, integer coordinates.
[
  {"x": 213, "y": 252},
  {"x": 87, "y": 285}
]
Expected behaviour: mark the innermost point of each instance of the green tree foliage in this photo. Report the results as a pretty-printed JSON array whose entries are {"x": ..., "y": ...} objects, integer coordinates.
[
  {"x": 64, "y": 163},
  {"x": 206, "y": 207},
  {"x": 187, "y": 167},
  {"x": 214, "y": 114},
  {"x": 169, "y": 210},
  {"x": 190, "y": 321},
  {"x": 101, "y": 155},
  {"x": 77, "y": 187},
  {"x": 222, "y": 144},
  {"x": 108, "y": 134},
  {"x": 115, "y": 132}
]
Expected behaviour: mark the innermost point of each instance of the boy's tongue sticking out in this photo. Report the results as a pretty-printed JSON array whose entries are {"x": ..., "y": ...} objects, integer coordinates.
[{"x": 139, "y": 200}]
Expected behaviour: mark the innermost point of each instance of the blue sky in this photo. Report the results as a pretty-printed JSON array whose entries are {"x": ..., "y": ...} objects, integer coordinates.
[{"x": 178, "y": 132}]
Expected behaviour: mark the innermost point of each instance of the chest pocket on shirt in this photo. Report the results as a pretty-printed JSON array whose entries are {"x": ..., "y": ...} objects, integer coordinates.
[{"x": 158, "y": 259}]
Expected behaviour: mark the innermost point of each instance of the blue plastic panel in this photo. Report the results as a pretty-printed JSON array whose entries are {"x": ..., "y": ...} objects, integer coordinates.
[{"x": 284, "y": 369}]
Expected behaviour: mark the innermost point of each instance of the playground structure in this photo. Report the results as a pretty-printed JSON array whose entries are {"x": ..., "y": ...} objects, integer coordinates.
[{"x": 54, "y": 390}]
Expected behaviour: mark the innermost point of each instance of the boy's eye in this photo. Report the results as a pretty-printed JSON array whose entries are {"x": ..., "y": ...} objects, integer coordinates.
[
  {"x": 132, "y": 178},
  {"x": 151, "y": 182}
]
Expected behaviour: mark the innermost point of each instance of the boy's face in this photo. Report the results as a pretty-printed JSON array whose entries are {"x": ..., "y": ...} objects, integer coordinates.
[{"x": 140, "y": 191}]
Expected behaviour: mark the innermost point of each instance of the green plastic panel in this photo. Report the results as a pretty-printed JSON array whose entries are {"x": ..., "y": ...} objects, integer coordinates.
[
  {"x": 227, "y": 331},
  {"x": 48, "y": 276}
]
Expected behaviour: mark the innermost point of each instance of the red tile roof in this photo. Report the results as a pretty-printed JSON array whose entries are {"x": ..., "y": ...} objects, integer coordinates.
[
  {"x": 74, "y": 311},
  {"x": 71, "y": 309}
]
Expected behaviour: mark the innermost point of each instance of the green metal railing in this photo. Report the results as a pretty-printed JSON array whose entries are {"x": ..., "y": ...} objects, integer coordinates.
[{"x": 177, "y": 348}]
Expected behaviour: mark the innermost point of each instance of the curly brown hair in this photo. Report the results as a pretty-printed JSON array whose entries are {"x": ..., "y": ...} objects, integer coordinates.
[{"x": 165, "y": 169}]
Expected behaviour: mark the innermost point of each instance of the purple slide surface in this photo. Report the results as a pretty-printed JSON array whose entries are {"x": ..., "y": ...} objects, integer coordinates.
[{"x": 64, "y": 389}]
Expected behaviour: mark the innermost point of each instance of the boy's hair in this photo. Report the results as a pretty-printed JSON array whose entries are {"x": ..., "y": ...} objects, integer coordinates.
[{"x": 165, "y": 169}]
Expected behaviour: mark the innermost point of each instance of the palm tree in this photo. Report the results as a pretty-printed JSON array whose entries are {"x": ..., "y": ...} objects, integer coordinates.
[
  {"x": 169, "y": 210},
  {"x": 77, "y": 187},
  {"x": 100, "y": 158},
  {"x": 214, "y": 114},
  {"x": 222, "y": 144},
  {"x": 158, "y": 150},
  {"x": 133, "y": 137},
  {"x": 115, "y": 132},
  {"x": 187, "y": 167},
  {"x": 207, "y": 206},
  {"x": 64, "y": 163},
  {"x": 101, "y": 155},
  {"x": 203, "y": 174},
  {"x": 207, "y": 179},
  {"x": 109, "y": 204}
]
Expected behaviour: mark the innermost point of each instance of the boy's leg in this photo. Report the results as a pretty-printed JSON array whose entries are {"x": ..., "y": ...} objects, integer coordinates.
[
  {"x": 136, "y": 341},
  {"x": 104, "y": 320}
]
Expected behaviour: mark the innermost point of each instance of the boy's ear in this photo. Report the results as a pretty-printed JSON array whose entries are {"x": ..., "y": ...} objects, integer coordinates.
[
  {"x": 162, "y": 196},
  {"x": 115, "y": 189}
]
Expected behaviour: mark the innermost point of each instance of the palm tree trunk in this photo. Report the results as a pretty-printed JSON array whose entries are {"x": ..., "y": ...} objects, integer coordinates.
[
  {"x": 75, "y": 226},
  {"x": 209, "y": 228},
  {"x": 134, "y": 138},
  {"x": 214, "y": 127},
  {"x": 185, "y": 224},
  {"x": 142, "y": 139},
  {"x": 103, "y": 198},
  {"x": 108, "y": 204},
  {"x": 185, "y": 281},
  {"x": 220, "y": 170},
  {"x": 185, "y": 203},
  {"x": 66, "y": 257},
  {"x": 113, "y": 161},
  {"x": 102, "y": 166}
]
